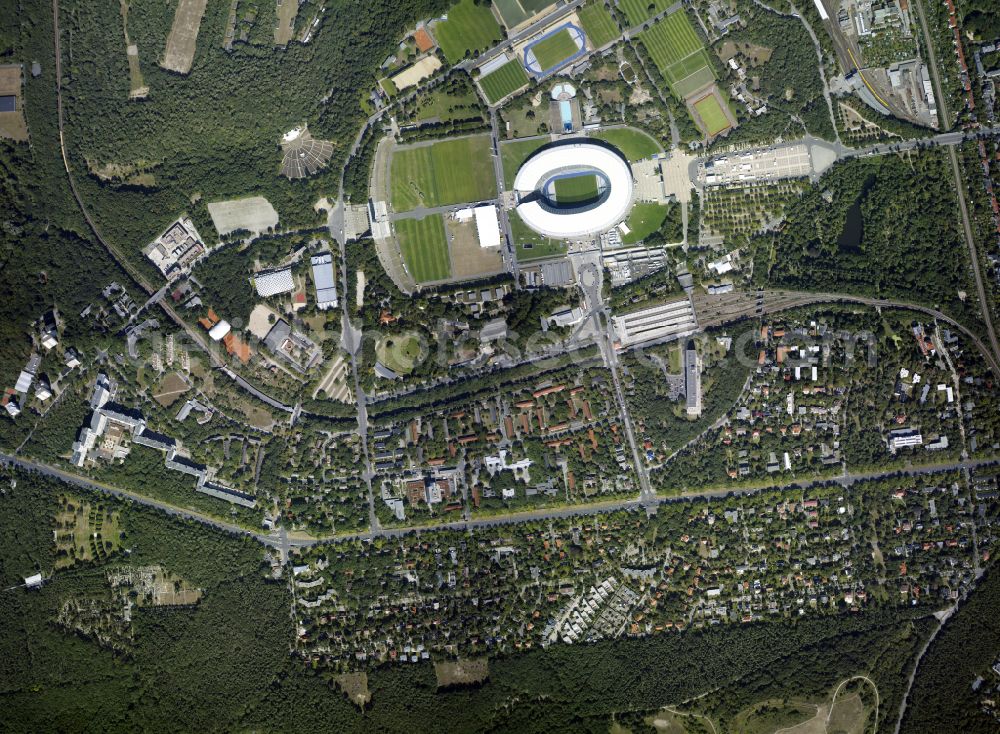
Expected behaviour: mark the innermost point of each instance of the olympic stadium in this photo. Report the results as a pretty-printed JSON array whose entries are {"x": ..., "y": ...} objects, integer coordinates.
[{"x": 574, "y": 189}]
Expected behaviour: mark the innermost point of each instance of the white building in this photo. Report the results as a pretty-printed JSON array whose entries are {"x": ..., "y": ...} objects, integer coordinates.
[
  {"x": 323, "y": 278},
  {"x": 487, "y": 226}
]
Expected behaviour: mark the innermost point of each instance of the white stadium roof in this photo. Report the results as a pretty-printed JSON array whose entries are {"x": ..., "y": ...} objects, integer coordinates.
[
  {"x": 274, "y": 282},
  {"x": 564, "y": 223}
]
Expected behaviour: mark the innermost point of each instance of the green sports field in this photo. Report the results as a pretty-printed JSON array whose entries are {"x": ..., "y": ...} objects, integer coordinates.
[
  {"x": 513, "y": 155},
  {"x": 469, "y": 28},
  {"x": 515, "y": 12},
  {"x": 447, "y": 172},
  {"x": 424, "y": 247},
  {"x": 573, "y": 190},
  {"x": 712, "y": 114},
  {"x": 679, "y": 54},
  {"x": 598, "y": 24},
  {"x": 634, "y": 144},
  {"x": 555, "y": 49},
  {"x": 507, "y": 79},
  {"x": 637, "y": 11}
]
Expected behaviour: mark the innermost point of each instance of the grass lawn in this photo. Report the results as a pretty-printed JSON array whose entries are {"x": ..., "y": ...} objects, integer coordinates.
[
  {"x": 634, "y": 144},
  {"x": 555, "y": 49},
  {"x": 469, "y": 28},
  {"x": 712, "y": 114},
  {"x": 598, "y": 24},
  {"x": 447, "y": 107},
  {"x": 447, "y": 172},
  {"x": 84, "y": 532},
  {"x": 424, "y": 247},
  {"x": 643, "y": 220},
  {"x": 574, "y": 190},
  {"x": 636, "y": 11},
  {"x": 531, "y": 245},
  {"x": 507, "y": 79},
  {"x": 398, "y": 352},
  {"x": 514, "y": 154}
]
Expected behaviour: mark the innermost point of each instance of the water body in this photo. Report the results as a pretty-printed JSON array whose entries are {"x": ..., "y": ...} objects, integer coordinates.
[{"x": 853, "y": 233}]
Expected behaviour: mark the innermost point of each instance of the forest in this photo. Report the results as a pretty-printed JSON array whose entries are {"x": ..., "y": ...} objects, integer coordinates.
[{"x": 884, "y": 227}]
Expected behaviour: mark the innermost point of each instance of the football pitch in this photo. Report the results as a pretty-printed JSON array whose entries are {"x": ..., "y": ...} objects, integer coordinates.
[
  {"x": 424, "y": 247},
  {"x": 712, "y": 115},
  {"x": 679, "y": 54},
  {"x": 637, "y": 11},
  {"x": 507, "y": 79},
  {"x": 573, "y": 190},
  {"x": 447, "y": 172},
  {"x": 554, "y": 50},
  {"x": 469, "y": 28},
  {"x": 598, "y": 24}
]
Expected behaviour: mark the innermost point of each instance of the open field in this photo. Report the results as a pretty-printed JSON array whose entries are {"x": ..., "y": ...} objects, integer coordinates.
[
  {"x": 513, "y": 154},
  {"x": 531, "y": 245},
  {"x": 12, "y": 124},
  {"x": 285, "y": 30},
  {"x": 766, "y": 717},
  {"x": 171, "y": 387},
  {"x": 84, "y": 532},
  {"x": 469, "y": 28},
  {"x": 644, "y": 219},
  {"x": 137, "y": 85},
  {"x": 253, "y": 214},
  {"x": 355, "y": 686},
  {"x": 183, "y": 39},
  {"x": 679, "y": 54},
  {"x": 447, "y": 172},
  {"x": 461, "y": 672},
  {"x": 554, "y": 49},
  {"x": 506, "y": 80},
  {"x": 424, "y": 247},
  {"x": 515, "y": 12},
  {"x": 399, "y": 352},
  {"x": 634, "y": 144},
  {"x": 713, "y": 117},
  {"x": 467, "y": 258},
  {"x": 637, "y": 11},
  {"x": 598, "y": 24},
  {"x": 573, "y": 190}
]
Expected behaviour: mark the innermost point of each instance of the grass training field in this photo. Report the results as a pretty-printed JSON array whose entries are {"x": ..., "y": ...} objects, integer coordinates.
[
  {"x": 598, "y": 24},
  {"x": 515, "y": 153},
  {"x": 575, "y": 189},
  {"x": 424, "y": 247},
  {"x": 529, "y": 244},
  {"x": 515, "y": 12},
  {"x": 644, "y": 219},
  {"x": 679, "y": 54},
  {"x": 448, "y": 172},
  {"x": 555, "y": 49},
  {"x": 507, "y": 79},
  {"x": 469, "y": 28},
  {"x": 637, "y": 11},
  {"x": 634, "y": 144},
  {"x": 711, "y": 114}
]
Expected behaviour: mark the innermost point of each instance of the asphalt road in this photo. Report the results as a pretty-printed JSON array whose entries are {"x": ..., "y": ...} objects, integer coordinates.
[{"x": 281, "y": 540}]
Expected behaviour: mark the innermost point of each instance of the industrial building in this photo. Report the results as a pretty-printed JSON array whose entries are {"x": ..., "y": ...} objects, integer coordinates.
[{"x": 656, "y": 323}]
